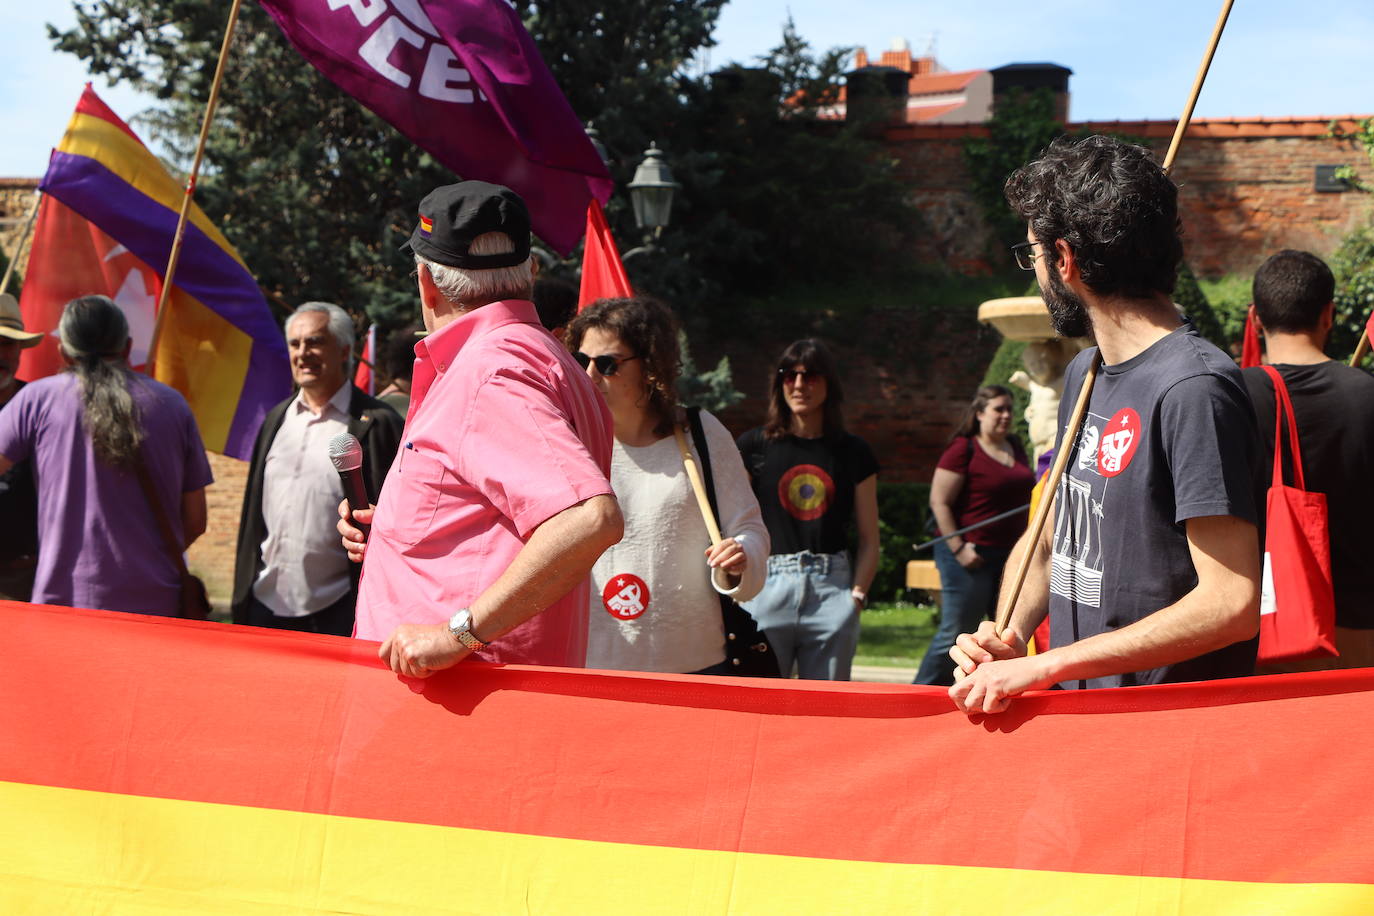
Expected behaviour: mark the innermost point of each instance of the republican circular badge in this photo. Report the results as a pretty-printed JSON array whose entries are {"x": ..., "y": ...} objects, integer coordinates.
[
  {"x": 625, "y": 596},
  {"x": 805, "y": 492},
  {"x": 1120, "y": 438}
]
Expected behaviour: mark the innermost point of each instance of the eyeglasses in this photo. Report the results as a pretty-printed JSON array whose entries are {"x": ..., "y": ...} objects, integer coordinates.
[
  {"x": 606, "y": 364},
  {"x": 1025, "y": 255},
  {"x": 799, "y": 376}
]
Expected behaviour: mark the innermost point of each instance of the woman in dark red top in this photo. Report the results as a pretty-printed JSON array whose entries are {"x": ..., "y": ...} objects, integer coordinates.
[{"x": 982, "y": 474}]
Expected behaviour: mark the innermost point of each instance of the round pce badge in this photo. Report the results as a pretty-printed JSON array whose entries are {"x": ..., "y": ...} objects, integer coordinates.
[
  {"x": 1120, "y": 439},
  {"x": 625, "y": 597},
  {"x": 805, "y": 492}
]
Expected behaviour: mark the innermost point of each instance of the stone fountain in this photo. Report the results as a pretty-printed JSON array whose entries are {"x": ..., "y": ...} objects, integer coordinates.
[{"x": 1046, "y": 356}]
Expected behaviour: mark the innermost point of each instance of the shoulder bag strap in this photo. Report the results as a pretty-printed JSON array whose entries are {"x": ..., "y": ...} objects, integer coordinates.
[
  {"x": 169, "y": 539},
  {"x": 704, "y": 501},
  {"x": 1283, "y": 405}
]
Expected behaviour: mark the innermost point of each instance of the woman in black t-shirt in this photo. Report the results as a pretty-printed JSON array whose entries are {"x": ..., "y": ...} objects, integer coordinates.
[
  {"x": 812, "y": 480},
  {"x": 982, "y": 474}
]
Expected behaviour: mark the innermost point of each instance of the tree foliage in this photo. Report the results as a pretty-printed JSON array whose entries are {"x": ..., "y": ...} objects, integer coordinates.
[
  {"x": 1020, "y": 128},
  {"x": 317, "y": 193},
  {"x": 1353, "y": 265}
]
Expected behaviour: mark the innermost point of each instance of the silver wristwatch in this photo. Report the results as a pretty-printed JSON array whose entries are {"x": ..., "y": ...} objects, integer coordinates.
[{"x": 460, "y": 625}]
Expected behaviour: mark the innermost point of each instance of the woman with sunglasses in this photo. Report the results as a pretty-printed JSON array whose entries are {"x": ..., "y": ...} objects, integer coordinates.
[
  {"x": 813, "y": 481},
  {"x": 654, "y": 600},
  {"x": 982, "y": 474}
]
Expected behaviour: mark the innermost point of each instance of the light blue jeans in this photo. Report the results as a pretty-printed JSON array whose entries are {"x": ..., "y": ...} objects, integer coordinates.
[{"x": 808, "y": 614}]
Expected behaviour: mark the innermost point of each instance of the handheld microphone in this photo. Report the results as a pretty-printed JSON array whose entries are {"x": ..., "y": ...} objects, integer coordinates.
[{"x": 346, "y": 454}]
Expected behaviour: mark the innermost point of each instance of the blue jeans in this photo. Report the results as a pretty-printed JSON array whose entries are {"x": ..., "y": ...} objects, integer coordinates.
[
  {"x": 967, "y": 596},
  {"x": 808, "y": 614}
]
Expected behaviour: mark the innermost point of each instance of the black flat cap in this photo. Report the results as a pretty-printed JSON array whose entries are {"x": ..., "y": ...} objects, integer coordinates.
[{"x": 453, "y": 215}]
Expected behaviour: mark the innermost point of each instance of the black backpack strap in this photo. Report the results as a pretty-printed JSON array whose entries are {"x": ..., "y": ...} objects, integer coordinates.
[{"x": 704, "y": 455}]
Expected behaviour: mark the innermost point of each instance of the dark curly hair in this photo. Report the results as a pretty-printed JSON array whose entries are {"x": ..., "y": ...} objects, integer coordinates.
[
  {"x": 649, "y": 329},
  {"x": 813, "y": 356},
  {"x": 1113, "y": 205}
]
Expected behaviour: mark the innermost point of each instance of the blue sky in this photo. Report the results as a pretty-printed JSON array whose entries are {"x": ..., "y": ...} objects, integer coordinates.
[{"x": 1277, "y": 59}]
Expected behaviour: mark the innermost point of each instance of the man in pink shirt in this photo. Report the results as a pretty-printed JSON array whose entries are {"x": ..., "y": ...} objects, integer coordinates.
[{"x": 498, "y": 502}]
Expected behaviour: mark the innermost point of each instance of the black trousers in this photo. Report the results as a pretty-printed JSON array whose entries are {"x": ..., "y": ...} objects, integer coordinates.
[{"x": 337, "y": 619}]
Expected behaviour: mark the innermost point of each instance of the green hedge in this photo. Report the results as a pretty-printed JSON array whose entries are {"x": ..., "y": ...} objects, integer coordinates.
[{"x": 902, "y": 510}]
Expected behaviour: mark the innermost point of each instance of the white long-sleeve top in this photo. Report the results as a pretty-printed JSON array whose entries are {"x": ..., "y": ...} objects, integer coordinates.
[{"x": 654, "y": 605}]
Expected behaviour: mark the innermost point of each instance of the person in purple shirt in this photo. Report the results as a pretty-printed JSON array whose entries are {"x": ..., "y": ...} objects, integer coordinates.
[{"x": 86, "y": 430}]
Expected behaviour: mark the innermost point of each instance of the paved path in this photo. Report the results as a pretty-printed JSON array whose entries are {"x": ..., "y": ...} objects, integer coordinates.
[{"x": 883, "y": 675}]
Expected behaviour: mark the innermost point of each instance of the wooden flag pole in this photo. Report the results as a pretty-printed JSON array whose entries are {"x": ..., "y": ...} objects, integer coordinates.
[
  {"x": 165, "y": 294},
  {"x": 1361, "y": 349},
  {"x": 1051, "y": 489},
  {"x": 19, "y": 248}
]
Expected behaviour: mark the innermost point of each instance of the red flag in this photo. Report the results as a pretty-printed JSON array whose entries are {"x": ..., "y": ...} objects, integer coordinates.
[
  {"x": 364, "y": 377},
  {"x": 1369, "y": 328},
  {"x": 603, "y": 276},
  {"x": 1251, "y": 353},
  {"x": 71, "y": 257}
]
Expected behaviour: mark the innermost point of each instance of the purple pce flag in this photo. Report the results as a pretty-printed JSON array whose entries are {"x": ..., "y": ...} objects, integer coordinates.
[{"x": 464, "y": 81}]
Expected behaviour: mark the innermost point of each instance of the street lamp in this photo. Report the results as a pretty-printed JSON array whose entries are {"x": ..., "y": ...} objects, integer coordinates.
[{"x": 651, "y": 191}]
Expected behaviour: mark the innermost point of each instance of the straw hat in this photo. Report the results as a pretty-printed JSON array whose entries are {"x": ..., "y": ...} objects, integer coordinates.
[{"x": 12, "y": 323}]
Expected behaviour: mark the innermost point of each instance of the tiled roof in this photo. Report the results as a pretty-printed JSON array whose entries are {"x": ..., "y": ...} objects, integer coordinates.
[
  {"x": 935, "y": 83},
  {"x": 926, "y": 112}
]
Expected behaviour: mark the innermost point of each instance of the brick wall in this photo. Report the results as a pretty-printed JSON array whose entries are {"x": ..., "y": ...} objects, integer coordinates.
[
  {"x": 908, "y": 375},
  {"x": 1246, "y": 189},
  {"x": 212, "y": 556}
]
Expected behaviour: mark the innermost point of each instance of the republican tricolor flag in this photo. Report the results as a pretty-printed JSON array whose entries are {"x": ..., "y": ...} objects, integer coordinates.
[{"x": 105, "y": 226}]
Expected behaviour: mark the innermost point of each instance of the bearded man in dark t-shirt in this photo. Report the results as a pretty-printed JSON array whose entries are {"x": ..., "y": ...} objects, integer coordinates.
[
  {"x": 1334, "y": 407},
  {"x": 1149, "y": 567}
]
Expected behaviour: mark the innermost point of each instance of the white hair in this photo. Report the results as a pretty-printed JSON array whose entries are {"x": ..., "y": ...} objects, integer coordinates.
[
  {"x": 340, "y": 324},
  {"x": 459, "y": 285}
]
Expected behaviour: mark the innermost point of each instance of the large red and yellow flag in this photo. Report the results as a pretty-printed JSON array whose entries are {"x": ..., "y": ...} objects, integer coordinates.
[{"x": 163, "y": 766}]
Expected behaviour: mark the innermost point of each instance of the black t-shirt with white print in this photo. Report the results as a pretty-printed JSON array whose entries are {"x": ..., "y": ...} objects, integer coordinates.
[{"x": 1169, "y": 436}]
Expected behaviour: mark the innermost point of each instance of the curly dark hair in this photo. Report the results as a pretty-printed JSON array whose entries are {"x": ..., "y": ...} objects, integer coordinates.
[
  {"x": 1113, "y": 205},
  {"x": 650, "y": 330},
  {"x": 813, "y": 356},
  {"x": 1291, "y": 290}
]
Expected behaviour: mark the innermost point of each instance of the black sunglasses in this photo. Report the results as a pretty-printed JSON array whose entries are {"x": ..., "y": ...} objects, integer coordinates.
[
  {"x": 606, "y": 364},
  {"x": 799, "y": 375}
]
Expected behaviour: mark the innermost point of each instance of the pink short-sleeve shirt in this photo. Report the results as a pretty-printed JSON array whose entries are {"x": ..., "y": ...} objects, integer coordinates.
[{"x": 505, "y": 431}]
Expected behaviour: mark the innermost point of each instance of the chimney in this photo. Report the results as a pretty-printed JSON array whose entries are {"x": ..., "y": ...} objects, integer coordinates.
[{"x": 1029, "y": 78}]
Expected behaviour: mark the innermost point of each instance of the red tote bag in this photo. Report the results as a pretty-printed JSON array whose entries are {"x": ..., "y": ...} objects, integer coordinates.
[{"x": 1297, "y": 608}]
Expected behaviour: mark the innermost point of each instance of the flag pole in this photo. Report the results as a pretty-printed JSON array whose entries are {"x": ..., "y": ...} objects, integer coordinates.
[
  {"x": 19, "y": 248},
  {"x": 1051, "y": 490},
  {"x": 165, "y": 294},
  {"x": 1362, "y": 348}
]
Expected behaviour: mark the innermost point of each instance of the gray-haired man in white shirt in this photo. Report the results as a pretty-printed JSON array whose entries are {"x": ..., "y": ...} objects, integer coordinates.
[{"x": 292, "y": 572}]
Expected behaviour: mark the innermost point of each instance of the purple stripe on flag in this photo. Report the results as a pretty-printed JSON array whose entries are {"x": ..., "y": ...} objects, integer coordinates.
[
  {"x": 205, "y": 271},
  {"x": 465, "y": 83}
]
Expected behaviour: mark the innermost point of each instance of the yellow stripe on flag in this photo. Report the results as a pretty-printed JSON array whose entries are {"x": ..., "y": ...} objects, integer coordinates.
[
  {"x": 98, "y": 139},
  {"x": 206, "y": 357},
  {"x": 69, "y": 850}
]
